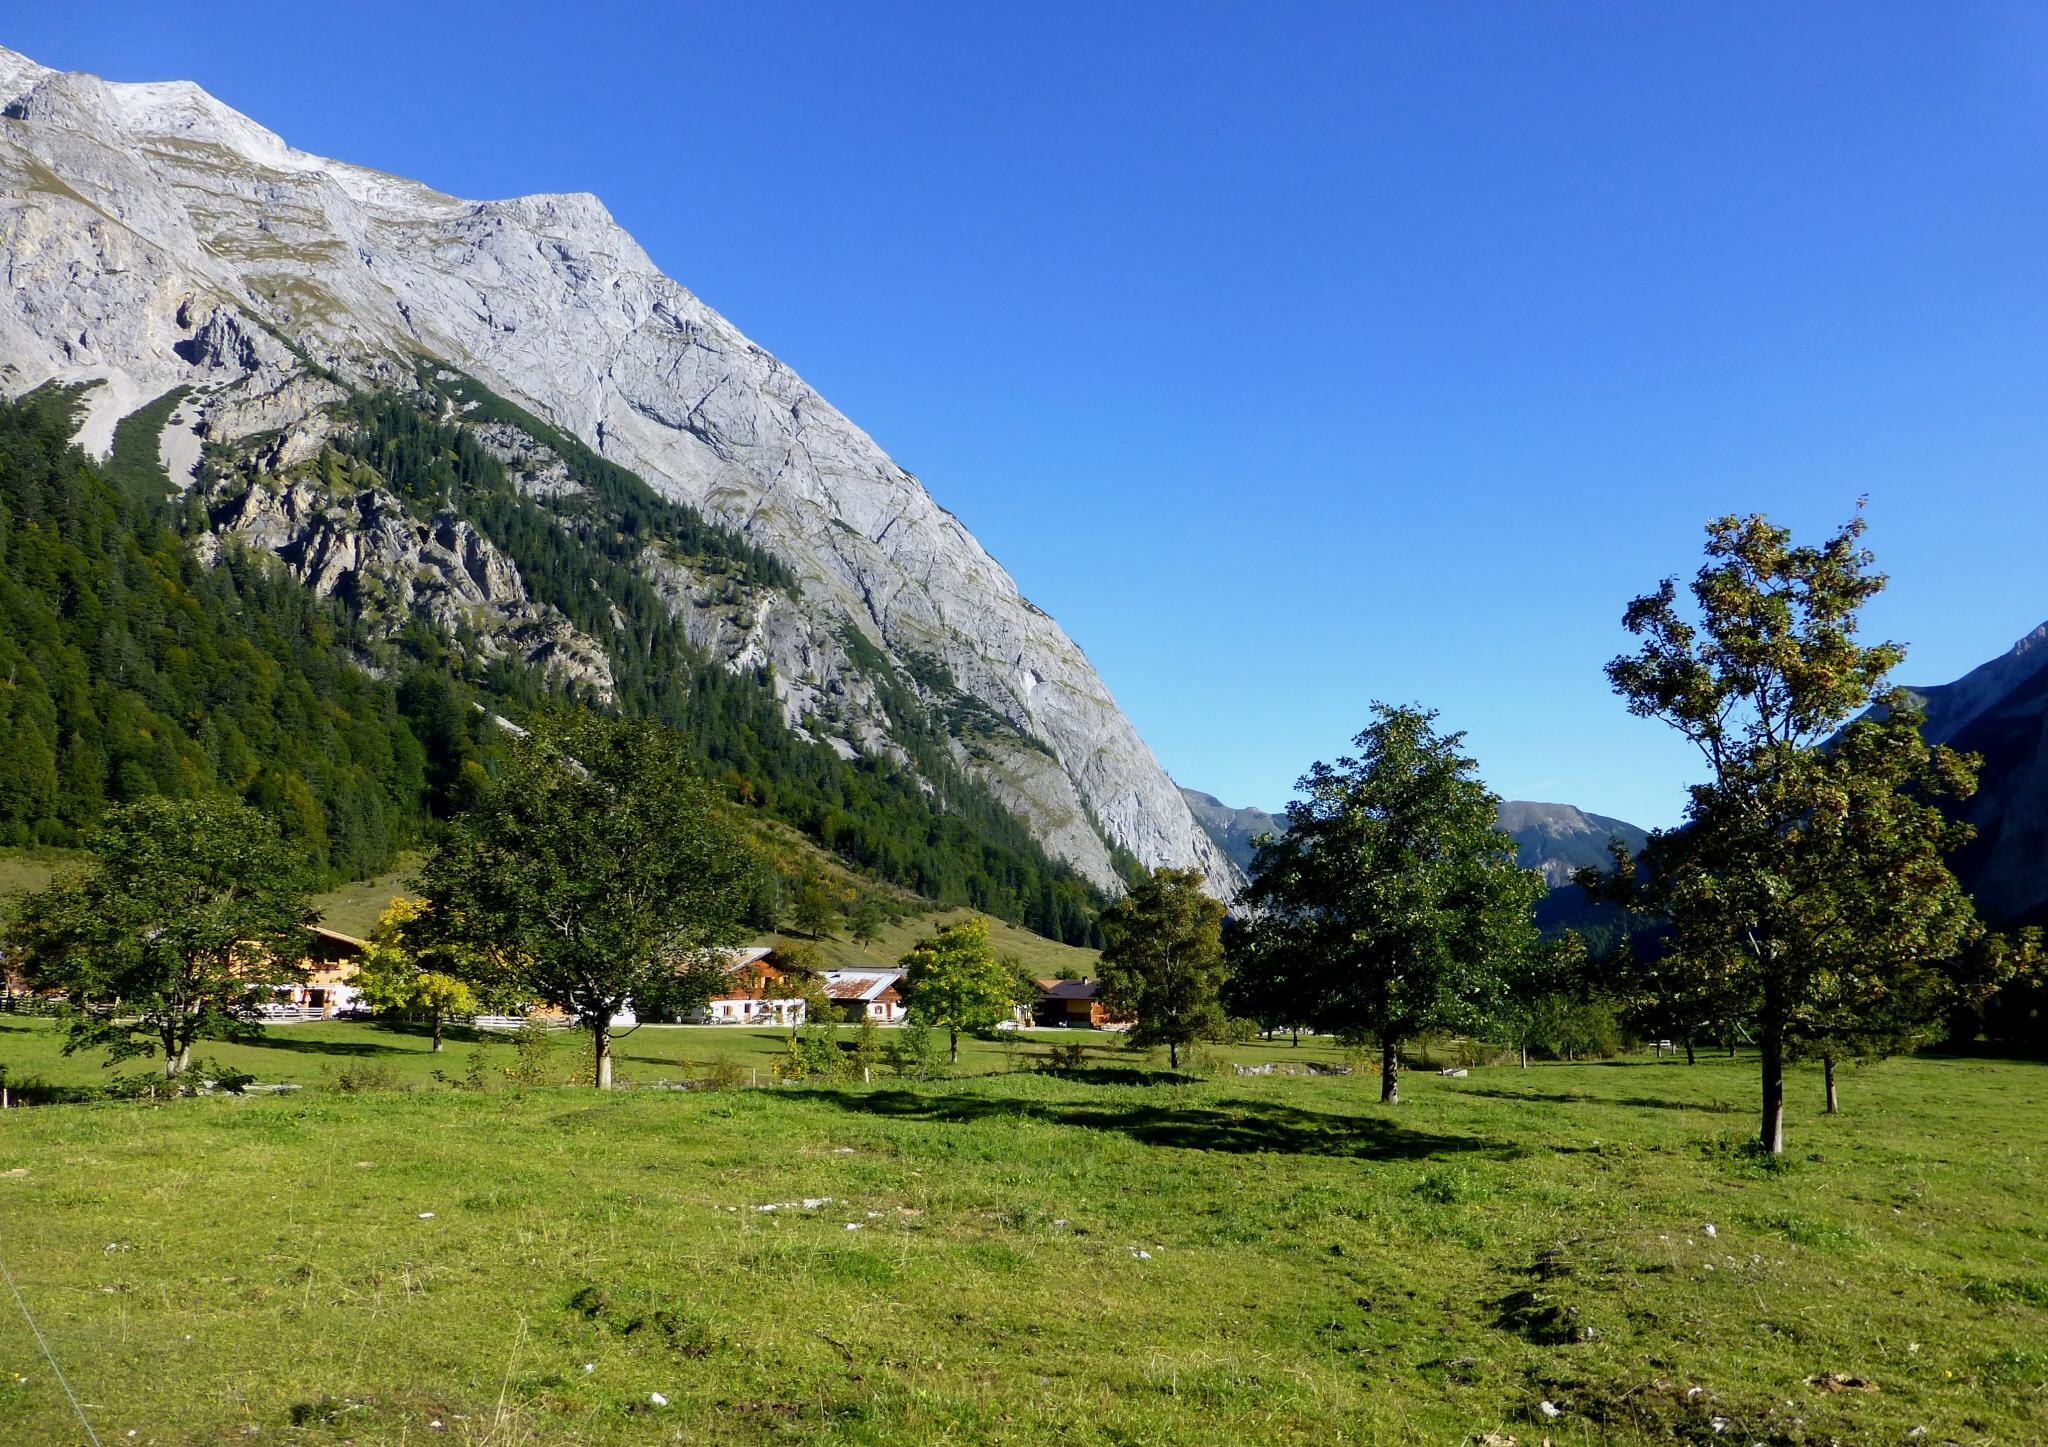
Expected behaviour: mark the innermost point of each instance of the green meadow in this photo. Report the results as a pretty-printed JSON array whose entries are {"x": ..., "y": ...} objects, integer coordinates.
[{"x": 1111, "y": 1254}]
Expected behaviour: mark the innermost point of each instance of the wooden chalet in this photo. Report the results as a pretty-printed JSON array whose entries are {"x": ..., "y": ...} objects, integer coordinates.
[
  {"x": 745, "y": 999},
  {"x": 873, "y": 994},
  {"x": 1073, "y": 1004}
]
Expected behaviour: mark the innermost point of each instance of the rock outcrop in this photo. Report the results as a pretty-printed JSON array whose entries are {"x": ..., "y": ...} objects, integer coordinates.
[{"x": 153, "y": 237}]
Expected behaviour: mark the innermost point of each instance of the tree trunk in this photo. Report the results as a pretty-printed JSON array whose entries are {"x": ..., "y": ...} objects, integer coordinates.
[
  {"x": 1690, "y": 1058},
  {"x": 953, "y": 1033},
  {"x": 437, "y": 1032},
  {"x": 1173, "y": 1053},
  {"x": 176, "y": 1065},
  {"x": 1771, "y": 1043},
  {"x": 1569, "y": 1057},
  {"x": 1297, "y": 1039},
  {"x": 601, "y": 1037},
  {"x": 1731, "y": 1049},
  {"x": 1525, "y": 1057},
  {"x": 1390, "y": 1072},
  {"x": 1827, "y": 1066}
]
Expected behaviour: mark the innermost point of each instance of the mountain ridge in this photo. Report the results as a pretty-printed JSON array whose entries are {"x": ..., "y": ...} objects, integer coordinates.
[
  {"x": 1553, "y": 839},
  {"x": 1999, "y": 710},
  {"x": 157, "y": 238}
]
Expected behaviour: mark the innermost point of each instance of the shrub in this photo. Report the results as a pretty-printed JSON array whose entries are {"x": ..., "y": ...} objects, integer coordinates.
[
  {"x": 867, "y": 1051},
  {"x": 227, "y": 1077},
  {"x": 362, "y": 1077},
  {"x": 1450, "y": 1186},
  {"x": 530, "y": 1049},
  {"x": 1066, "y": 1057},
  {"x": 916, "y": 1054}
]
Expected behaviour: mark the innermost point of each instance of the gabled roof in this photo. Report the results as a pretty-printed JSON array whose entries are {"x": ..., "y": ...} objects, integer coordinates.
[
  {"x": 741, "y": 959},
  {"x": 1069, "y": 989},
  {"x": 860, "y": 984}
]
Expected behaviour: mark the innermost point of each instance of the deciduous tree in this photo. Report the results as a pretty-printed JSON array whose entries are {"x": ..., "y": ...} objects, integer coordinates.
[
  {"x": 812, "y": 907},
  {"x": 400, "y": 975},
  {"x": 954, "y": 979},
  {"x": 1807, "y": 887},
  {"x": 596, "y": 870},
  {"x": 188, "y": 911},
  {"x": 1392, "y": 904},
  {"x": 1162, "y": 960},
  {"x": 864, "y": 920}
]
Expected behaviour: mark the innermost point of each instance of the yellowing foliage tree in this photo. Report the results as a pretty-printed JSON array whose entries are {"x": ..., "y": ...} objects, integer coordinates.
[{"x": 398, "y": 977}]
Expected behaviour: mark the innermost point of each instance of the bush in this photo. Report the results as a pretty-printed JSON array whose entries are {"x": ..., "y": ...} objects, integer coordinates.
[
  {"x": 227, "y": 1077},
  {"x": 725, "y": 1075},
  {"x": 1066, "y": 1057},
  {"x": 363, "y": 1078},
  {"x": 866, "y": 1063},
  {"x": 916, "y": 1054},
  {"x": 1450, "y": 1186},
  {"x": 530, "y": 1050}
]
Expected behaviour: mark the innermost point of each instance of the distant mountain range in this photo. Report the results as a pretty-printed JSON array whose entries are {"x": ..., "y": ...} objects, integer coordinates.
[
  {"x": 1233, "y": 830},
  {"x": 1554, "y": 839},
  {"x": 1998, "y": 711}
]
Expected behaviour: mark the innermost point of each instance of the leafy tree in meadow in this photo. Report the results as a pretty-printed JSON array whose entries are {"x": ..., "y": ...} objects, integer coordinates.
[
  {"x": 1163, "y": 962},
  {"x": 812, "y": 908},
  {"x": 398, "y": 977},
  {"x": 1807, "y": 890},
  {"x": 596, "y": 870},
  {"x": 1393, "y": 901},
  {"x": 189, "y": 908},
  {"x": 864, "y": 920},
  {"x": 1267, "y": 983},
  {"x": 954, "y": 980},
  {"x": 1539, "y": 994}
]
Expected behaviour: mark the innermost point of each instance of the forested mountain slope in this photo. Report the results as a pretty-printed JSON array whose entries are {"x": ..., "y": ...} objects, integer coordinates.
[
  {"x": 332, "y": 642},
  {"x": 155, "y": 239}
]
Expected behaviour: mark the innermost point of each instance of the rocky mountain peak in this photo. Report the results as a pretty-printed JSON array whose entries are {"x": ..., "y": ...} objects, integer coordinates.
[{"x": 134, "y": 215}]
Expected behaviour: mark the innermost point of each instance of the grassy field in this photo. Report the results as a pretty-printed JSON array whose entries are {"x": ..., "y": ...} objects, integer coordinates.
[
  {"x": 1113, "y": 1256},
  {"x": 24, "y": 871}
]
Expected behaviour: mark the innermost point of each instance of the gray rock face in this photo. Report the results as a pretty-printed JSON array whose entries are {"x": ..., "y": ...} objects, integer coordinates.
[
  {"x": 1233, "y": 830},
  {"x": 366, "y": 548},
  {"x": 1558, "y": 839},
  {"x": 153, "y": 237}
]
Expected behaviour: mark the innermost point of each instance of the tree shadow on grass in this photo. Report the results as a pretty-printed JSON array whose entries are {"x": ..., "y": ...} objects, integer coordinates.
[
  {"x": 275, "y": 1040},
  {"x": 1122, "y": 1075},
  {"x": 1246, "y": 1128},
  {"x": 1574, "y": 1097}
]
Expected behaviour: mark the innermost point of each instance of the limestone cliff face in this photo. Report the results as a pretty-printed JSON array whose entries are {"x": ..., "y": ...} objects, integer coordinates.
[{"x": 153, "y": 237}]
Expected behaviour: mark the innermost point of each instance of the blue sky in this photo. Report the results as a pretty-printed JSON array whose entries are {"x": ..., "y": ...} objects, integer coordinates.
[{"x": 1296, "y": 356}]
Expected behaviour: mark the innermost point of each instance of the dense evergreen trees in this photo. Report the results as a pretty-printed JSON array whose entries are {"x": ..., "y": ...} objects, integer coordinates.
[
  {"x": 580, "y": 553},
  {"x": 129, "y": 669}
]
